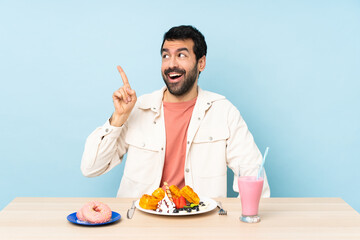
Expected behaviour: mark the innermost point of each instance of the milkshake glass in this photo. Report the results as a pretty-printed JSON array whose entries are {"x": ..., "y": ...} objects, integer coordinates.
[{"x": 250, "y": 189}]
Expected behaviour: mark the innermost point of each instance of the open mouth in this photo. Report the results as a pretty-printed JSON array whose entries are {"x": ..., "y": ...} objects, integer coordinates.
[{"x": 174, "y": 76}]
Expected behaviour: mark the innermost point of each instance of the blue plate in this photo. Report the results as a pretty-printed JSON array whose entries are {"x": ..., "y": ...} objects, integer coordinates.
[{"x": 72, "y": 218}]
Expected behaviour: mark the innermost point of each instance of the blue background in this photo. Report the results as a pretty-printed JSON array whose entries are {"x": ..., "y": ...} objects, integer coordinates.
[{"x": 291, "y": 67}]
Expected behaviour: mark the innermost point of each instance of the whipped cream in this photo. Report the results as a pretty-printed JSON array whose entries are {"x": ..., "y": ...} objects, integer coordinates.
[
  {"x": 203, "y": 206},
  {"x": 165, "y": 205}
]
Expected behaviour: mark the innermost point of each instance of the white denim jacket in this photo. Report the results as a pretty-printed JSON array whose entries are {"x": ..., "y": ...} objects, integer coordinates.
[{"x": 217, "y": 137}]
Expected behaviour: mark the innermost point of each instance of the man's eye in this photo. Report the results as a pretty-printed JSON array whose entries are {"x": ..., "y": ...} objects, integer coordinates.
[
  {"x": 181, "y": 55},
  {"x": 165, "y": 56}
]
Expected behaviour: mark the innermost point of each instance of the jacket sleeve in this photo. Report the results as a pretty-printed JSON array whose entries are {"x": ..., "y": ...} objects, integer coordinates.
[
  {"x": 243, "y": 156},
  {"x": 104, "y": 149}
]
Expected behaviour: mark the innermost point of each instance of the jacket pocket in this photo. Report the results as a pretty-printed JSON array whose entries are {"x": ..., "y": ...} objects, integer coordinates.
[
  {"x": 208, "y": 152},
  {"x": 143, "y": 158},
  {"x": 210, "y": 135}
]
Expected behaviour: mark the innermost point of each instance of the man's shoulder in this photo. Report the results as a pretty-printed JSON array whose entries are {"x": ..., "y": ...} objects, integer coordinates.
[
  {"x": 215, "y": 98},
  {"x": 151, "y": 95},
  {"x": 211, "y": 95},
  {"x": 150, "y": 100}
]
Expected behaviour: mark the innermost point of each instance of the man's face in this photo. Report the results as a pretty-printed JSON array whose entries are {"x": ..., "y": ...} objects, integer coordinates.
[{"x": 179, "y": 66}]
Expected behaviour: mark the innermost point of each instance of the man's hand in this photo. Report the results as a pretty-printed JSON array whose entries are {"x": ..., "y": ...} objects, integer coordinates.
[{"x": 124, "y": 101}]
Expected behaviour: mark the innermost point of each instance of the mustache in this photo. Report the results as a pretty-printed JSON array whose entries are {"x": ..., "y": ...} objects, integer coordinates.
[{"x": 177, "y": 70}]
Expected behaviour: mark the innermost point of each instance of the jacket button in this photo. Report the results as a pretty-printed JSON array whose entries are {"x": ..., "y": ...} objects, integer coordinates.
[
  {"x": 210, "y": 138},
  {"x": 188, "y": 142},
  {"x": 162, "y": 149},
  {"x": 187, "y": 170},
  {"x": 154, "y": 122},
  {"x": 107, "y": 130},
  {"x": 199, "y": 118},
  {"x": 208, "y": 103}
]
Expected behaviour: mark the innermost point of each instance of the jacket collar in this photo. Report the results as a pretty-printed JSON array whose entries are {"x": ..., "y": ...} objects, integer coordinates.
[{"x": 153, "y": 100}]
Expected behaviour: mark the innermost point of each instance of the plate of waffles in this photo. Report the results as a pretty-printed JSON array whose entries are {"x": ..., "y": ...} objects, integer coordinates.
[
  {"x": 175, "y": 202},
  {"x": 205, "y": 205}
]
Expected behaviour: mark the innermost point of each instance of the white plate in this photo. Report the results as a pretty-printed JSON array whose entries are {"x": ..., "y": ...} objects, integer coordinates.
[{"x": 210, "y": 205}]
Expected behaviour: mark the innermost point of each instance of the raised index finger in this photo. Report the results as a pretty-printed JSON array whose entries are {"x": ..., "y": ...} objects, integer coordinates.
[{"x": 123, "y": 76}]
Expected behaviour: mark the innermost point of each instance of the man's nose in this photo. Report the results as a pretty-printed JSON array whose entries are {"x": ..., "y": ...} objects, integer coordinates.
[{"x": 173, "y": 62}]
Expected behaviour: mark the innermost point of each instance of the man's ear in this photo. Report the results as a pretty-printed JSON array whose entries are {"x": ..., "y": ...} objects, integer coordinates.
[{"x": 202, "y": 63}]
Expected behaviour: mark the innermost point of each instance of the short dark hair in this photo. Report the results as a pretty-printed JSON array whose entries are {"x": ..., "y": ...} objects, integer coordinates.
[{"x": 184, "y": 32}]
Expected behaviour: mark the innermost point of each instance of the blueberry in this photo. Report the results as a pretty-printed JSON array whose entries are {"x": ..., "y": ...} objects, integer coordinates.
[
  {"x": 188, "y": 209},
  {"x": 176, "y": 211}
]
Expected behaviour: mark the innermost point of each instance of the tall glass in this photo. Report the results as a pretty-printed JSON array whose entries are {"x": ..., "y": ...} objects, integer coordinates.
[{"x": 250, "y": 189}]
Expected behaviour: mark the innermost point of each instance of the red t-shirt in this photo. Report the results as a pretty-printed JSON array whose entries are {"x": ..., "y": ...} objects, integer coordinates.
[{"x": 177, "y": 118}]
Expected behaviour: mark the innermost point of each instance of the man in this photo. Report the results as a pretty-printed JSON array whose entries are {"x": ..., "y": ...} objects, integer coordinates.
[{"x": 180, "y": 134}]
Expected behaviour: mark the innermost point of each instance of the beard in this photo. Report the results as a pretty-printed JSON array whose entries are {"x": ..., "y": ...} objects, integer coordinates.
[{"x": 184, "y": 86}]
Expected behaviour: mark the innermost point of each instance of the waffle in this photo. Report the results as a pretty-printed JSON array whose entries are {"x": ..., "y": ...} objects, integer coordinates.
[
  {"x": 175, "y": 191},
  {"x": 159, "y": 193},
  {"x": 148, "y": 202},
  {"x": 189, "y": 194}
]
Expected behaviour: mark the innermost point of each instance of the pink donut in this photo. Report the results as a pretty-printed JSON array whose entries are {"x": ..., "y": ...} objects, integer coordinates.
[
  {"x": 80, "y": 216},
  {"x": 96, "y": 212}
]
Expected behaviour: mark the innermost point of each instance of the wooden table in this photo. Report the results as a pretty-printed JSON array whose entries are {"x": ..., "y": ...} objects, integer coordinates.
[{"x": 282, "y": 218}]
